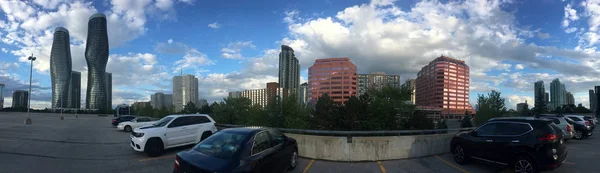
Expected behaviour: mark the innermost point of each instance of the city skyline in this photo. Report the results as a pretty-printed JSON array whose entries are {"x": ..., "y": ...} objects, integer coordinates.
[{"x": 228, "y": 58}]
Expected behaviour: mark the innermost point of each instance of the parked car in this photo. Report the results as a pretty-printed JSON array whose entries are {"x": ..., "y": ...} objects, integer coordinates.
[
  {"x": 525, "y": 144},
  {"x": 561, "y": 122},
  {"x": 236, "y": 150},
  {"x": 583, "y": 128},
  {"x": 120, "y": 119},
  {"x": 172, "y": 131},
  {"x": 128, "y": 126}
]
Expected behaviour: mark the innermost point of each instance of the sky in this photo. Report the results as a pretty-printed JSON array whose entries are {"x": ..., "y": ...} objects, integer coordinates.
[{"x": 233, "y": 45}]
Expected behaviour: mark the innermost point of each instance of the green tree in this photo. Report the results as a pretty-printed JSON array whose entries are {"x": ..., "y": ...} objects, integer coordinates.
[
  {"x": 190, "y": 108},
  {"x": 489, "y": 106},
  {"x": 326, "y": 114},
  {"x": 293, "y": 114},
  {"x": 467, "y": 121},
  {"x": 206, "y": 109},
  {"x": 419, "y": 121}
]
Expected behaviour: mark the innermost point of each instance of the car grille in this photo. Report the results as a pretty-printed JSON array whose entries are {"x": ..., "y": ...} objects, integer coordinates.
[{"x": 188, "y": 168}]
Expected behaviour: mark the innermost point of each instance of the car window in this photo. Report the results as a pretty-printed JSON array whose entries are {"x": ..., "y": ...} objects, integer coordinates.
[
  {"x": 575, "y": 118},
  {"x": 221, "y": 145},
  {"x": 142, "y": 120},
  {"x": 129, "y": 118},
  {"x": 261, "y": 142},
  {"x": 203, "y": 119},
  {"x": 276, "y": 137},
  {"x": 487, "y": 129},
  {"x": 181, "y": 121},
  {"x": 511, "y": 129}
]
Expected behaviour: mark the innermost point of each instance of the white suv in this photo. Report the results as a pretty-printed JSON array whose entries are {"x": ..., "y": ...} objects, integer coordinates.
[{"x": 172, "y": 131}]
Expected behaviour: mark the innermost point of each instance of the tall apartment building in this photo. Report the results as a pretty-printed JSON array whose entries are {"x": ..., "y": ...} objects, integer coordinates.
[
  {"x": 1, "y": 96},
  {"x": 235, "y": 94},
  {"x": 289, "y": 68},
  {"x": 557, "y": 94},
  {"x": 570, "y": 99},
  {"x": 444, "y": 83},
  {"x": 334, "y": 76},
  {"x": 376, "y": 80},
  {"x": 411, "y": 84},
  {"x": 20, "y": 99},
  {"x": 264, "y": 96},
  {"x": 138, "y": 105},
  {"x": 593, "y": 101},
  {"x": 96, "y": 56},
  {"x": 75, "y": 90},
  {"x": 539, "y": 92},
  {"x": 161, "y": 100},
  {"x": 185, "y": 90},
  {"x": 272, "y": 88},
  {"x": 303, "y": 93},
  {"x": 108, "y": 78},
  {"x": 60, "y": 68}
]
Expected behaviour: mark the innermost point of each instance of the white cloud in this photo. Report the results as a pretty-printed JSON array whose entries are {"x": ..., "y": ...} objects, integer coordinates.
[
  {"x": 170, "y": 41},
  {"x": 570, "y": 29},
  {"x": 519, "y": 67},
  {"x": 192, "y": 59},
  {"x": 4, "y": 50},
  {"x": 511, "y": 101},
  {"x": 214, "y": 25},
  {"x": 233, "y": 49}
]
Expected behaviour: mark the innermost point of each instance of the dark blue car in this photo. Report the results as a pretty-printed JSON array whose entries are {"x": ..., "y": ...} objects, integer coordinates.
[{"x": 235, "y": 150}]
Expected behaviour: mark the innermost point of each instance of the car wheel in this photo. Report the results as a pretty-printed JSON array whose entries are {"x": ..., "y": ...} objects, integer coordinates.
[
  {"x": 128, "y": 128},
  {"x": 460, "y": 155},
  {"x": 154, "y": 147},
  {"x": 524, "y": 164},
  {"x": 578, "y": 135},
  {"x": 294, "y": 160}
]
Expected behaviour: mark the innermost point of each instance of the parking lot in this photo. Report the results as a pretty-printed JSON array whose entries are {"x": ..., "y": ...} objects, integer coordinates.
[{"x": 91, "y": 144}]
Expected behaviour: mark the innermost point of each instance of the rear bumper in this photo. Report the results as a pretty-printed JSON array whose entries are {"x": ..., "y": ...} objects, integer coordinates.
[{"x": 552, "y": 164}]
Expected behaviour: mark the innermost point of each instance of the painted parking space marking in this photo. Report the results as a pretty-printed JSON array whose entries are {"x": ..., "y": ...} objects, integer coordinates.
[
  {"x": 571, "y": 163},
  {"x": 157, "y": 158},
  {"x": 308, "y": 166},
  {"x": 381, "y": 167},
  {"x": 448, "y": 163}
]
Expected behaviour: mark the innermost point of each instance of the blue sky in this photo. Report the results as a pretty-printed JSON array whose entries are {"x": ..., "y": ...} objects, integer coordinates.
[{"x": 233, "y": 45}]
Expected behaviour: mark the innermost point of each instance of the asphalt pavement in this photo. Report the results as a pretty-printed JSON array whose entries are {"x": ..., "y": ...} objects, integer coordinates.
[{"x": 90, "y": 143}]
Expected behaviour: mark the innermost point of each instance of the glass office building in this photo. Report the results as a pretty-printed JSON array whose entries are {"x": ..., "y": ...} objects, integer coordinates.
[{"x": 334, "y": 76}]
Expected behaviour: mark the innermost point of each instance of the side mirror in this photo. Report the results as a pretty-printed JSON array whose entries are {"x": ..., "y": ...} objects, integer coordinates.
[{"x": 473, "y": 133}]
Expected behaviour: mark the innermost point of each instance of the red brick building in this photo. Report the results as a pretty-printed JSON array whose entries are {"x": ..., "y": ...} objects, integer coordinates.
[
  {"x": 444, "y": 83},
  {"x": 334, "y": 76}
]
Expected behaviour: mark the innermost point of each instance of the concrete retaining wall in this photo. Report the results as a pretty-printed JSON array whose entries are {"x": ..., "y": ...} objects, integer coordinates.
[{"x": 371, "y": 148}]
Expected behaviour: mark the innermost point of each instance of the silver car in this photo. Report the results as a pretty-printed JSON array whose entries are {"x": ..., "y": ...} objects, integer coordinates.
[{"x": 561, "y": 122}]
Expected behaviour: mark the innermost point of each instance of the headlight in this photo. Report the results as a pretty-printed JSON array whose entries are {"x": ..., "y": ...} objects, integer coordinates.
[{"x": 137, "y": 134}]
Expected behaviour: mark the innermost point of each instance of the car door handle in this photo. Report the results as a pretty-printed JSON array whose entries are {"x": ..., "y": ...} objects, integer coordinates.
[
  {"x": 489, "y": 140},
  {"x": 516, "y": 141}
]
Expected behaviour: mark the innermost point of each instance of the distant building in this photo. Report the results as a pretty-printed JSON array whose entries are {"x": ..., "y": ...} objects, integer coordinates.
[
  {"x": 303, "y": 93},
  {"x": 557, "y": 94},
  {"x": 202, "y": 102},
  {"x": 570, "y": 98},
  {"x": 522, "y": 106},
  {"x": 137, "y": 105},
  {"x": 597, "y": 91},
  {"x": 376, "y": 80},
  {"x": 60, "y": 68},
  {"x": 334, "y": 76},
  {"x": 185, "y": 90},
  {"x": 161, "y": 100},
  {"x": 411, "y": 84},
  {"x": 20, "y": 99},
  {"x": 593, "y": 101},
  {"x": 273, "y": 89},
  {"x": 547, "y": 99},
  {"x": 96, "y": 55},
  {"x": 75, "y": 90},
  {"x": 444, "y": 83},
  {"x": 539, "y": 92},
  {"x": 289, "y": 69},
  {"x": 1, "y": 96},
  {"x": 108, "y": 78},
  {"x": 235, "y": 94},
  {"x": 262, "y": 96}
]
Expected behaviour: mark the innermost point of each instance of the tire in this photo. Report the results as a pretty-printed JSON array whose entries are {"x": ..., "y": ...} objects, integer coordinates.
[
  {"x": 293, "y": 160},
  {"x": 127, "y": 128},
  {"x": 524, "y": 164},
  {"x": 204, "y": 136},
  {"x": 154, "y": 147},
  {"x": 578, "y": 135},
  {"x": 460, "y": 155}
]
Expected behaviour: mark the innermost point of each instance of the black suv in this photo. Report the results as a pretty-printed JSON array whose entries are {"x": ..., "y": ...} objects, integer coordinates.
[{"x": 525, "y": 144}]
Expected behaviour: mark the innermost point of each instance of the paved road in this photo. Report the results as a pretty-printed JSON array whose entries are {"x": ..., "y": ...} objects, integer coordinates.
[{"x": 90, "y": 144}]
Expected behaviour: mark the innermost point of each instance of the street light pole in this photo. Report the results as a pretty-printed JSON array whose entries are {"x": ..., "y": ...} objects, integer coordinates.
[{"x": 28, "y": 120}]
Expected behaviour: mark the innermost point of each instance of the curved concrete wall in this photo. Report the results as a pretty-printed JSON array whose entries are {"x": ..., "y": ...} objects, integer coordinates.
[{"x": 337, "y": 148}]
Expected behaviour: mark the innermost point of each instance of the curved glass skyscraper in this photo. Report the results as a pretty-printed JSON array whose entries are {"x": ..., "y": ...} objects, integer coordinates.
[
  {"x": 60, "y": 68},
  {"x": 96, "y": 55}
]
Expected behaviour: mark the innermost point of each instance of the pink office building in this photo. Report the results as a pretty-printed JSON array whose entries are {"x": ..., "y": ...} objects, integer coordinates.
[{"x": 334, "y": 76}]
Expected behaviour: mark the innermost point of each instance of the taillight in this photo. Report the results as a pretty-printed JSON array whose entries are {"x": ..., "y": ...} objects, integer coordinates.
[
  {"x": 176, "y": 165},
  {"x": 548, "y": 137},
  {"x": 587, "y": 123},
  {"x": 568, "y": 128}
]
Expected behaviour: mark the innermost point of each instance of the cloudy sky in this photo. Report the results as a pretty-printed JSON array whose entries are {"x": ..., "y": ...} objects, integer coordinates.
[{"x": 233, "y": 45}]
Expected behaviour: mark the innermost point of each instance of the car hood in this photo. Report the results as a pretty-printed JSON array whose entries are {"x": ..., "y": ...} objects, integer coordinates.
[
  {"x": 148, "y": 128},
  {"x": 206, "y": 162}
]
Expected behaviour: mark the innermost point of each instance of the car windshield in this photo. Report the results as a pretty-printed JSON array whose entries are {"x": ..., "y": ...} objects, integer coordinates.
[
  {"x": 221, "y": 145},
  {"x": 575, "y": 118},
  {"x": 163, "y": 121}
]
